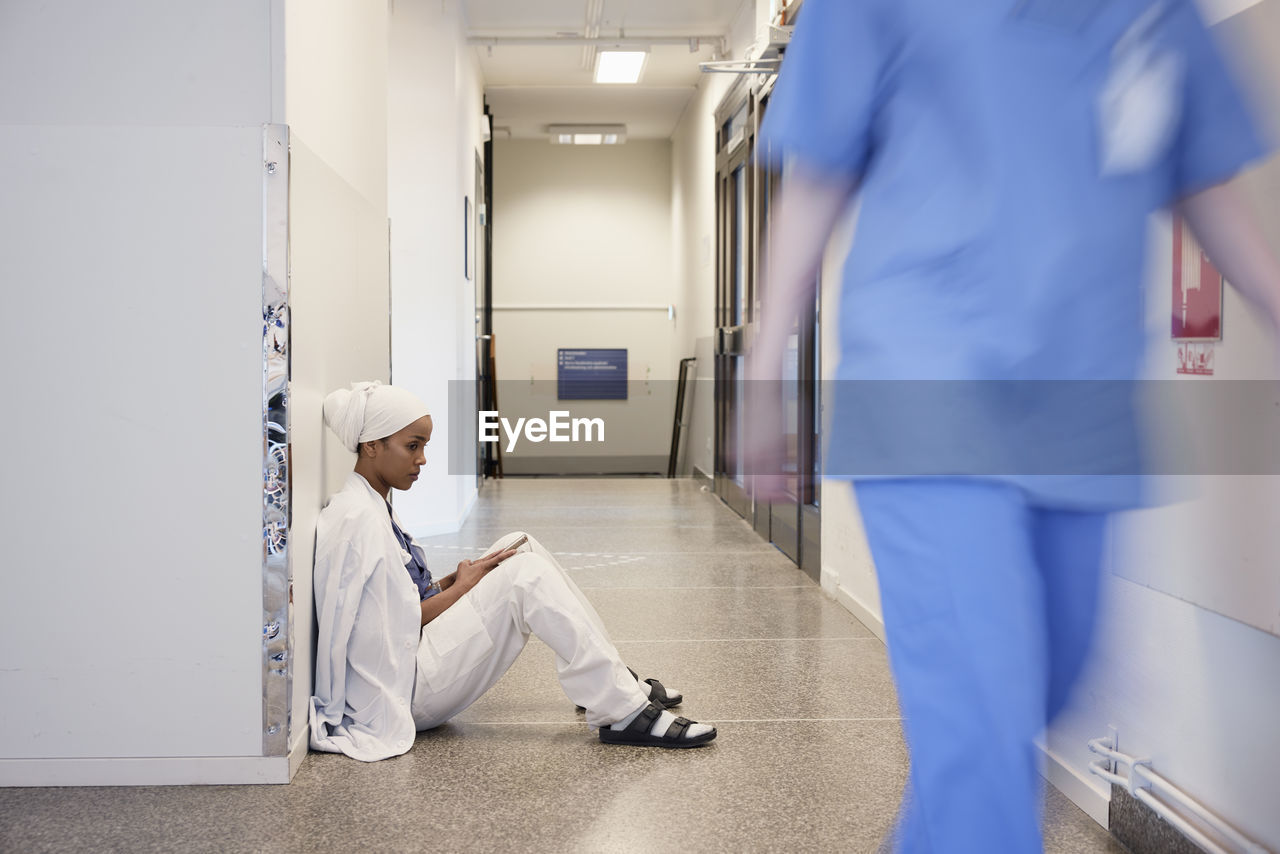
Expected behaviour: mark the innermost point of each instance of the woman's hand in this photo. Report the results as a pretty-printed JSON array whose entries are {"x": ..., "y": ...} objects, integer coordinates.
[
  {"x": 453, "y": 587},
  {"x": 470, "y": 572}
]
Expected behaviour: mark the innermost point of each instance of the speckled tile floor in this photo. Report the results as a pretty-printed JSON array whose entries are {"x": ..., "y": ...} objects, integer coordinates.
[{"x": 810, "y": 755}]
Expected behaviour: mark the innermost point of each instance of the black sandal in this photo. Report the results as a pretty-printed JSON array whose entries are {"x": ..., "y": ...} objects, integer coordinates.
[
  {"x": 637, "y": 732},
  {"x": 657, "y": 693}
]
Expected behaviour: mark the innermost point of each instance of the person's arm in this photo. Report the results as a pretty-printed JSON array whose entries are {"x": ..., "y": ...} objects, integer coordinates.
[
  {"x": 454, "y": 587},
  {"x": 1230, "y": 235},
  {"x": 808, "y": 206}
]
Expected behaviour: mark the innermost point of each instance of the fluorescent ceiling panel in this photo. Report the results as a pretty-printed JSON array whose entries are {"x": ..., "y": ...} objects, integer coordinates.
[
  {"x": 587, "y": 134},
  {"x": 620, "y": 66}
]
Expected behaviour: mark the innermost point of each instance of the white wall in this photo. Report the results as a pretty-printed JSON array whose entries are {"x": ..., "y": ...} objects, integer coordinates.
[
  {"x": 693, "y": 234},
  {"x": 335, "y": 79},
  {"x": 435, "y": 105},
  {"x": 131, "y": 161},
  {"x": 134, "y": 139},
  {"x": 1188, "y": 662},
  {"x": 848, "y": 573},
  {"x": 585, "y": 225},
  {"x": 336, "y": 87}
]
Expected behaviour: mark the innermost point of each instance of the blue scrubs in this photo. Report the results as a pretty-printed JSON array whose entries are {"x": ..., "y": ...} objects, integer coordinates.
[
  {"x": 1009, "y": 154},
  {"x": 989, "y": 607},
  {"x": 417, "y": 563}
]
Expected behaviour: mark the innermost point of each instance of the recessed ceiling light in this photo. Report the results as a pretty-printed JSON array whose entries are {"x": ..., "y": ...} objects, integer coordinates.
[
  {"x": 587, "y": 134},
  {"x": 620, "y": 66}
]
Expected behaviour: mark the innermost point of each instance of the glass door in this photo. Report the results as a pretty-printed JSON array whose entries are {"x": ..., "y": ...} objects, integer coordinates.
[
  {"x": 745, "y": 194},
  {"x": 734, "y": 295},
  {"x": 488, "y": 458},
  {"x": 794, "y": 521}
]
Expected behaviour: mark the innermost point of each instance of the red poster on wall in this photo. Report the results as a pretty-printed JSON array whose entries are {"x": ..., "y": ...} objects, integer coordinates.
[
  {"x": 1197, "y": 289},
  {"x": 1195, "y": 357}
]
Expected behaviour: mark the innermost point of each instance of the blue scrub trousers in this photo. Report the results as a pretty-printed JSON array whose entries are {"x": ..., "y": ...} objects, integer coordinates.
[{"x": 989, "y": 606}]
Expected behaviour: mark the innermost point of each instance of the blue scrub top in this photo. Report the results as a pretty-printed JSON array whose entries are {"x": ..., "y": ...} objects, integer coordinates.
[
  {"x": 1009, "y": 153},
  {"x": 417, "y": 563}
]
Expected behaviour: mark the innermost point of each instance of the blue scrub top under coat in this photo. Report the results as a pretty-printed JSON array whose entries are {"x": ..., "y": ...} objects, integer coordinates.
[
  {"x": 417, "y": 563},
  {"x": 991, "y": 245}
]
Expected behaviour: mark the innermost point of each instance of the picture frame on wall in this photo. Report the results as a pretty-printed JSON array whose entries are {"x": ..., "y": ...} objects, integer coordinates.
[
  {"x": 1197, "y": 289},
  {"x": 468, "y": 268}
]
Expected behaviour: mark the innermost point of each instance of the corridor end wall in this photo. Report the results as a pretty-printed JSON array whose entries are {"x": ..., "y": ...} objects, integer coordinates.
[{"x": 580, "y": 226}]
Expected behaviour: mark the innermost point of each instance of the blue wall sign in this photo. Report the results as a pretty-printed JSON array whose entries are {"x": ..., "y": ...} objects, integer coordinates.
[{"x": 591, "y": 374}]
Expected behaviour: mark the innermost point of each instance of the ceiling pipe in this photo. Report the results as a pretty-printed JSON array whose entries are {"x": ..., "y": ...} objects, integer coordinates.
[
  {"x": 717, "y": 43},
  {"x": 595, "y": 14}
]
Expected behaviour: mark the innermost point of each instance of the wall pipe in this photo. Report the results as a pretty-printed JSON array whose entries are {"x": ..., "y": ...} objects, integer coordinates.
[{"x": 1142, "y": 783}]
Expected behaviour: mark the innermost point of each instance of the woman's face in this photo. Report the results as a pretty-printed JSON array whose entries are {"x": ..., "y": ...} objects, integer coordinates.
[{"x": 398, "y": 458}]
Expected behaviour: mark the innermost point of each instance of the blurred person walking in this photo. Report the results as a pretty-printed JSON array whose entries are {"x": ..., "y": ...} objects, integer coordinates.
[{"x": 1005, "y": 156}]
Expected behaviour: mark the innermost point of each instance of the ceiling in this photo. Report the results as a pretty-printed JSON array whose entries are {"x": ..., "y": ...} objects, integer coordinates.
[{"x": 537, "y": 60}]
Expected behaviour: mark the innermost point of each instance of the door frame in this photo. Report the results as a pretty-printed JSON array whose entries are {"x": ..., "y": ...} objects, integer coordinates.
[
  {"x": 735, "y": 300},
  {"x": 793, "y": 526}
]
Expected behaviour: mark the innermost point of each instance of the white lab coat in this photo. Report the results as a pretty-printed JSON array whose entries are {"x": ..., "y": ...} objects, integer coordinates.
[
  {"x": 380, "y": 676},
  {"x": 369, "y": 625}
]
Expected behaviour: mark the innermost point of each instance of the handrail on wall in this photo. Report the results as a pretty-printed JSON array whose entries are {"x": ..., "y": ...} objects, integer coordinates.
[
  {"x": 1142, "y": 782},
  {"x": 669, "y": 309}
]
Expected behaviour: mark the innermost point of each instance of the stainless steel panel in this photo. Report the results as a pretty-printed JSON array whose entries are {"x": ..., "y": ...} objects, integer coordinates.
[{"x": 277, "y": 577}]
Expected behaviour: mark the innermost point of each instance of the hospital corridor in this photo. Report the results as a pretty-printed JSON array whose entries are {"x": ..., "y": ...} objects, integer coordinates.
[
  {"x": 615, "y": 426},
  {"x": 809, "y": 757}
]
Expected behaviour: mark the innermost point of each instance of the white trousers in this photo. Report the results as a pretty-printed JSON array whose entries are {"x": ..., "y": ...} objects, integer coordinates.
[{"x": 466, "y": 649}]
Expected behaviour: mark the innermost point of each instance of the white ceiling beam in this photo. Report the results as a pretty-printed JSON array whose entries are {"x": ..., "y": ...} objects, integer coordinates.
[
  {"x": 629, "y": 40},
  {"x": 595, "y": 14}
]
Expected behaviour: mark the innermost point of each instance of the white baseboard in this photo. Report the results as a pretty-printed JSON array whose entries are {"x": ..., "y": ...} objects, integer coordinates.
[
  {"x": 298, "y": 750},
  {"x": 160, "y": 771},
  {"x": 1091, "y": 794},
  {"x": 863, "y": 614}
]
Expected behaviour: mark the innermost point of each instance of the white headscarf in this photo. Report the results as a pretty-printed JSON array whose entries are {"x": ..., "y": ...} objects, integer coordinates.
[{"x": 369, "y": 411}]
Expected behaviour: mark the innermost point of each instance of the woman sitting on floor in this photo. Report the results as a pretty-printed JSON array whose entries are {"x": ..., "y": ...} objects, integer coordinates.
[{"x": 400, "y": 651}]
